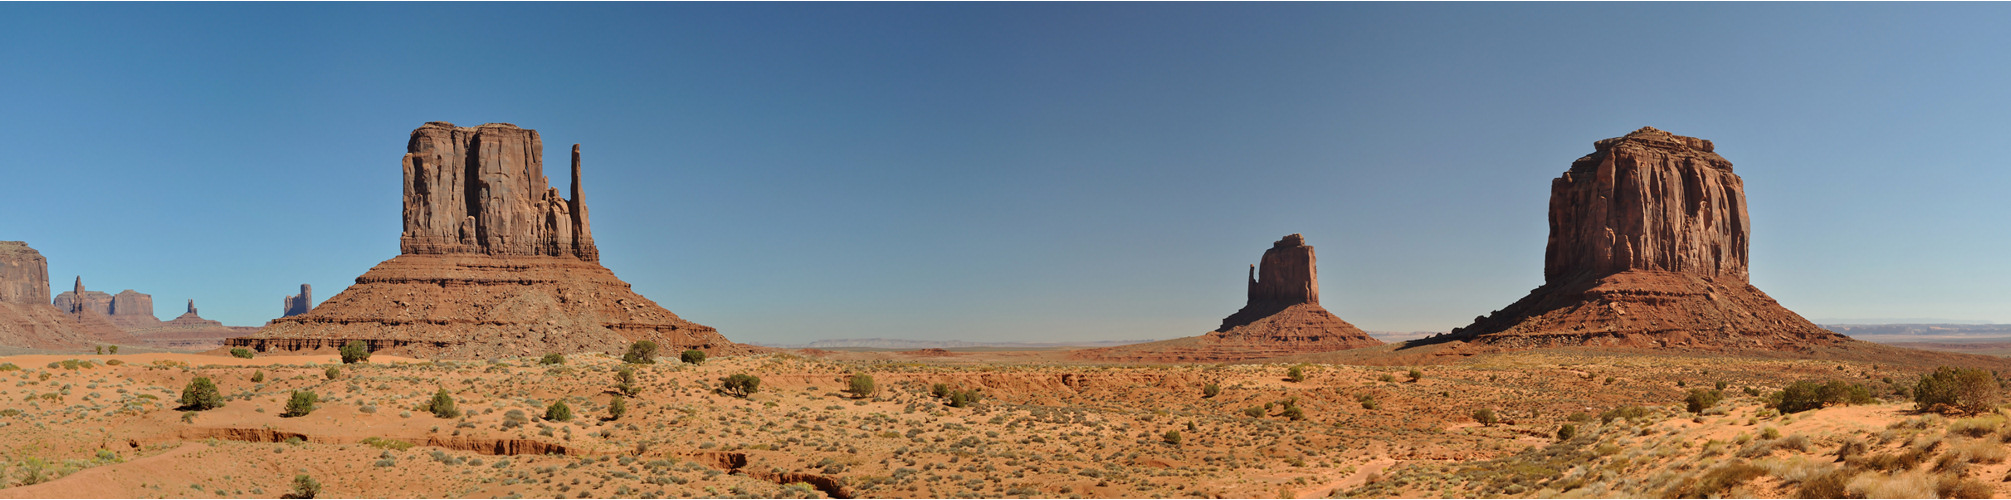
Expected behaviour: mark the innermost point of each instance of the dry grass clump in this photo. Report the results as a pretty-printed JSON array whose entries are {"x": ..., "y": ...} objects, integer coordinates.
[
  {"x": 1716, "y": 482},
  {"x": 1898, "y": 485}
]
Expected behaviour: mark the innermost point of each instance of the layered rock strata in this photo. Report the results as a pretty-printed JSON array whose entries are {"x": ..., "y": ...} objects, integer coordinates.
[
  {"x": 128, "y": 309},
  {"x": 1648, "y": 247},
  {"x": 493, "y": 264},
  {"x": 29, "y": 319},
  {"x": 1282, "y": 316}
]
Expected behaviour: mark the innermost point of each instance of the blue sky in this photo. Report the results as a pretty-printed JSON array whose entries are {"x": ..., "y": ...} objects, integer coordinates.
[{"x": 789, "y": 172}]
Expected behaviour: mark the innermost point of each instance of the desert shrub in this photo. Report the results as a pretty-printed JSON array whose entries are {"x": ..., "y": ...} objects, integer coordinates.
[
  {"x": 1386, "y": 378},
  {"x": 442, "y": 405},
  {"x": 552, "y": 359},
  {"x": 1901, "y": 485},
  {"x": 559, "y": 412},
  {"x": 617, "y": 407},
  {"x": 940, "y": 390},
  {"x": 1976, "y": 427},
  {"x": 1956, "y": 390},
  {"x": 1172, "y": 437},
  {"x": 114, "y": 362},
  {"x": 692, "y": 356},
  {"x": 356, "y": 351},
  {"x": 1485, "y": 416},
  {"x": 112, "y": 349},
  {"x": 861, "y": 385},
  {"x": 240, "y": 352},
  {"x": 1296, "y": 374},
  {"x": 1578, "y": 416},
  {"x": 514, "y": 418},
  {"x": 101, "y": 350},
  {"x": 740, "y": 384},
  {"x": 1832, "y": 484},
  {"x": 9, "y": 367},
  {"x": 1849, "y": 449},
  {"x": 1807, "y": 395},
  {"x": 1566, "y": 432},
  {"x": 641, "y": 352},
  {"x": 1368, "y": 402},
  {"x": 1631, "y": 413},
  {"x": 300, "y": 403},
  {"x": 1415, "y": 374},
  {"x": 332, "y": 372},
  {"x": 305, "y": 486},
  {"x": 1770, "y": 432},
  {"x": 1293, "y": 412},
  {"x": 201, "y": 394},
  {"x": 388, "y": 444},
  {"x": 1716, "y": 481},
  {"x": 1958, "y": 487},
  {"x": 1253, "y": 412},
  {"x": 625, "y": 381},
  {"x": 1211, "y": 390},
  {"x": 1700, "y": 399},
  {"x": 258, "y": 376}
]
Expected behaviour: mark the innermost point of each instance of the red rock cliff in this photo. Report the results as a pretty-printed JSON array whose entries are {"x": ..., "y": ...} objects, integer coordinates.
[
  {"x": 24, "y": 274},
  {"x": 483, "y": 190},
  {"x": 1649, "y": 200}
]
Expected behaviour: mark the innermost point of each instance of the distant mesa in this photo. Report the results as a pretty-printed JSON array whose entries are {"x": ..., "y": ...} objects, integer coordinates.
[
  {"x": 1648, "y": 248},
  {"x": 1282, "y": 316},
  {"x": 299, "y": 304},
  {"x": 493, "y": 263},
  {"x": 29, "y": 319},
  {"x": 128, "y": 309},
  {"x": 190, "y": 331}
]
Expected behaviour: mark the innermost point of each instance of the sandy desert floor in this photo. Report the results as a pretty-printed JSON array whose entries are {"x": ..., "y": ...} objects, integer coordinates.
[{"x": 107, "y": 426}]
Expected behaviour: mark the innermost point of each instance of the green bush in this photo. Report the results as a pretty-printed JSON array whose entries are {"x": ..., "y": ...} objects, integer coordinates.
[
  {"x": 1631, "y": 413},
  {"x": 201, "y": 394},
  {"x": 1211, "y": 390},
  {"x": 1293, "y": 412},
  {"x": 1416, "y": 374},
  {"x": 861, "y": 385},
  {"x": 356, "y": 351},
  {"x": 553, "y": 359},
  {"x": 112, "y": 349},
  {"x": 241, "y": 352},
  {"x": 1565, "y": 432},
  {"x": 617, "y": 408},
  {"x": 1805, "y": 395},
  {"x": 1956, "y": 390},
  {"x": 559, "y": 412},
  {"x": 1172, "y": 437},
  {"x": 1701, "y": 399},
  {"x": 300, "y": 403},
  {"x": 625, "y": 381},
  {"x": 8, "y": 367},
  {"x": 258, "y": 376},
  {"x": 692, "y": 356},
  {"x": 641, "y": 352},
  {"x": 740, "y": 384},
  {"x": 331, "y": 372},
  {"x": 442, "y": 405},
  {"x": 1485, "y": 416},
  {"x": 1368, "y": 402},
  {"x": 305, "y": 487},
  {"x": 1296, "y": 374},
  {"x": 1253, "y": 412},
  {"x": 940, "y": 390}
]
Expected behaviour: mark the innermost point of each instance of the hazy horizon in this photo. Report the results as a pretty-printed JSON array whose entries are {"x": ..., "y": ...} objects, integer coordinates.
[{"x": 1011, "y": 172}]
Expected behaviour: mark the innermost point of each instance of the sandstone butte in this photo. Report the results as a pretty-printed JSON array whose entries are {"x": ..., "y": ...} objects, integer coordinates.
[
  {"x": 1282, "y": 316},
  {"x": 189, "y": 331},
  {"x": 493, "y": 262},
  {"x": 129, "y": 310},
  {"x": 29, "y": 319},
  {"x": 1648, "y": 248}
]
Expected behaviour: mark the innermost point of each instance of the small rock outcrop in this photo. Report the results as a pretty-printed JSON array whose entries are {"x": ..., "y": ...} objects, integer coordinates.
[
  {"x": 299, "y": 304},
  {"x": 493, "y": 263},
  {"x": 29, "y": 319},
  {"x": 1648, "y": 248},
  {"x": 1282, "y": 316},
  {"x": 190, "y": 331},
  {"x": 128, "y": 309}
]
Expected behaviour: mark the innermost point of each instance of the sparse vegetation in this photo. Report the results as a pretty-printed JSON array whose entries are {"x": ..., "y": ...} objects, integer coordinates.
[
  {"x": 692, "y": 356},
  {"x": 258, "y": 376},
  {"x": 332, "y": 372},
  {"x": 624, "y": 379},
  {"x": 1211, "y": 390},
  {"x": 356, "y": 351},
  {"x": 1700, "y": 399},
  {"x": 442, "y": 405},
  {"x": 617, "y": 407},
  {"x": 305, "y": 486},
  {"x": 559, "y": 412},
  {"x": 552, "y": 359},
  {"x": 241, "y": 352},
  {"x": 861, "y": 385},
  {"x": 740, "y": 384},
  {"x": 1172, "y": 437},
  {"x": 1485, "y": 416},
  {"x": 1415, "y": 375},
  {"x": 1807, "y": 395},
  {"x": 1296, "y": 374}
]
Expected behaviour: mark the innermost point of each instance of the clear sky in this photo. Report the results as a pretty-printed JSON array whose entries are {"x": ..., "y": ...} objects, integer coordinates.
[{"x": 1036, "y": 172}]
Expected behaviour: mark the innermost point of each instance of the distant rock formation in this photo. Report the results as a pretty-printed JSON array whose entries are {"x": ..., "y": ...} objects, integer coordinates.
[
  {"x": 1648, "y": 248},
  {"x": 299, "y": 304},
  {"x": 29, "y": 319},
  {"x": 494, "y": 263},
  {"x": 1281, "y": 317},
  {"x": 128, "y": 309},
  {"x": 190, "y": 331}
]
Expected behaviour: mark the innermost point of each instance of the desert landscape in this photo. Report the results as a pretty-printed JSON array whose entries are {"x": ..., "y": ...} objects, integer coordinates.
[{"x": 942, "y": 250}]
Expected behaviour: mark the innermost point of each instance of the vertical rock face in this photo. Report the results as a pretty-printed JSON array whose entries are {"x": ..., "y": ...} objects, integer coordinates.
[
  {"x": 482, "y": 190},
  {"x": 1648, "y": 248},
  {"x": 131, "y": 303},
  {"x": 1281, "y": 317},
  {"x": 299, "y": 304},
  {"x": 493, "y": 263},
  {"x": 128, "y": 309},
  {"x": 24, "y": 274},
  {"x": 1650, "y": 200}
]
